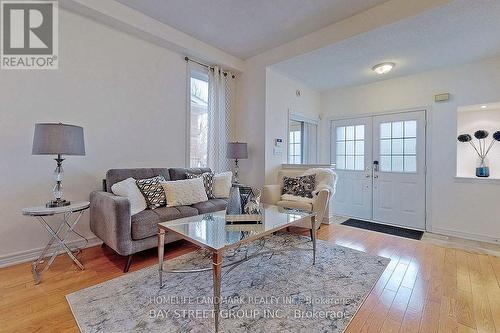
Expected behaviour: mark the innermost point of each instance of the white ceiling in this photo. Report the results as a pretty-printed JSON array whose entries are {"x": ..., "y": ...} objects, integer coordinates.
[
  {"x": 460, "y": 32},
  {"x": 245, "y": 28}
]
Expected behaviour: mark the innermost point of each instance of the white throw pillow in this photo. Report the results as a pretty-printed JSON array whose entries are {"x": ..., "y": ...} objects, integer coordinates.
[
  {"x": 222, "y": 184},
  {"x": 128, "y": 188},
  {"x": 184, "y": 192}
]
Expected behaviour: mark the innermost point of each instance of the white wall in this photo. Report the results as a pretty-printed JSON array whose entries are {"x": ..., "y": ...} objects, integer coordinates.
[
  {"x": 467, "y": 208},
  {"x": 469, "y": 122},
  {"x": 280, "y": 99},
  {"x": 128, "y": 94}
]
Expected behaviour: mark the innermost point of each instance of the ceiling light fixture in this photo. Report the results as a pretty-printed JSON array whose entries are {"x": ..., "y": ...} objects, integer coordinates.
[
  {"x": 383, "y": 68},
  {"x": 483, "y": 106}
]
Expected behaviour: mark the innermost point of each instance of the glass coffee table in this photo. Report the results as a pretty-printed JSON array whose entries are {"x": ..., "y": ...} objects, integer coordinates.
[{"x": 213, "y": 233}]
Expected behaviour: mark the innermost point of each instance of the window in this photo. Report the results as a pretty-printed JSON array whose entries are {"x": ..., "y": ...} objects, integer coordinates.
[
  {"x": 398, "y": 146},
  {"x": 295, "y": 151},
  {"x": 350, "y": 150},
  {"x": 198, "y": 141},
  {"x": 302, "y": 140}
]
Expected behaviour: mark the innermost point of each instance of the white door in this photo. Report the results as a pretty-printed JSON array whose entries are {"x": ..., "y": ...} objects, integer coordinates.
[
  {"x": 399, "y": 169},
  {"x": 352, "y": 152}
]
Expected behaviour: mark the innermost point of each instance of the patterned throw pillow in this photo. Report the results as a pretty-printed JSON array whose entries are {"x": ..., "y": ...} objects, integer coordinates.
[
  {"x": 302, "y": 186},
  {"x": 208, "y": 182},
  {"x": 153, "y": 191}
]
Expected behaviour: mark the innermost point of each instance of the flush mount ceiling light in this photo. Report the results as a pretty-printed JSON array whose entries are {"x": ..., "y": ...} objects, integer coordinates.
[
  {"x": 383, "y": 68},
  {"x": 483, "y": 106}
]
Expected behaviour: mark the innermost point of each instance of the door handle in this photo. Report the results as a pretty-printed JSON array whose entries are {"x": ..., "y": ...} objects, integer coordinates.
[{"x": 375, "y": 166}]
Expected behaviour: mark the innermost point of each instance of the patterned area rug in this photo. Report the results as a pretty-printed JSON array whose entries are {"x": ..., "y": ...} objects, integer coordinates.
[{"x": 278, "y": 292}]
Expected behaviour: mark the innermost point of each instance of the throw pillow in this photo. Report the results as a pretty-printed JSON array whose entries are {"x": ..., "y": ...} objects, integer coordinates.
[
  {"x": 222, "y": 184},
  {"x": 185, "y": 192},
  {"x": 128, "y": 188},
  {"x": 302, "y": 186},
  {"x": 208, "y": 182},
  {"x": 153, "y": 191}
]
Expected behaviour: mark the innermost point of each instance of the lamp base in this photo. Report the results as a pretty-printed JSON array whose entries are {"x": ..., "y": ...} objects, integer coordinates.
[{"x": 57, "y": 203}]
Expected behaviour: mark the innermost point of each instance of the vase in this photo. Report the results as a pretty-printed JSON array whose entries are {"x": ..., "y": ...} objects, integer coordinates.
[
  {"x": 234, "y": 203},
  {"x": 483, "y": 170}
]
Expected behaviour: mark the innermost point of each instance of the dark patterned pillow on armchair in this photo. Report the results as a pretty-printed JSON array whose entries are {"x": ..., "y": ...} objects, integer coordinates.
[
  {"x": 302, "y": 186},
  {"x": 153, "y": 191}
]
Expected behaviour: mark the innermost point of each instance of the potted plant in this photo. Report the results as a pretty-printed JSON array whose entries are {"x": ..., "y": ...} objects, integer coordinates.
[{"x": 482, "y": 149}]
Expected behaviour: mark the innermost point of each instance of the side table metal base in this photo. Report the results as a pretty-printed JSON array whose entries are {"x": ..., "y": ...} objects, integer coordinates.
[{"x": 59, "y": 237}]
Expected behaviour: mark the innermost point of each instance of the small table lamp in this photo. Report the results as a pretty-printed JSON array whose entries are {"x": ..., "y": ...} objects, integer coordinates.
[
  {"x": 237, "y": 151},
  {"x": 58, "y": 139}
]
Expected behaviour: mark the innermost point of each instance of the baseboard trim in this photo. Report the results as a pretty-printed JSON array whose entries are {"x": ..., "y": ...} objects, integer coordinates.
[
  {"x": 465, "y": 235},
  {"x": 30, "y": 255}
]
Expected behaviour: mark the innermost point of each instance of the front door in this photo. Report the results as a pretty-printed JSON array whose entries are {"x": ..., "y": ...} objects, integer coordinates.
[
  {"x": 380, "y": 162},
  {"x": 352, "y": 154},
  {"x": 399, "y": 169}
]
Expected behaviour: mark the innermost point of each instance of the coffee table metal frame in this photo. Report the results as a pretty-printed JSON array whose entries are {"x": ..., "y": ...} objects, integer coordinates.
[{"x": 217, "y": 256}]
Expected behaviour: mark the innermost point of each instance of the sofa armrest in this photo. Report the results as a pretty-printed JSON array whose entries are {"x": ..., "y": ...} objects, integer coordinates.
[
  {"x": 271, "y": 194},
  {"x": 110, "y": 221}
]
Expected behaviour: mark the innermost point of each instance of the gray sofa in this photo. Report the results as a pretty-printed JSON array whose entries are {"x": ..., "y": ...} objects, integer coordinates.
[{"x": 110, "y": 218}]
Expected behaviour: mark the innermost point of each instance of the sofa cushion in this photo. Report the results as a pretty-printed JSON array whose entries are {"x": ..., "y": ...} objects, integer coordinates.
[
  {"x": 117, "y": 175},
  {"x": 295, "y": 205},
  {"x": 180, "y": 173},
  {"x": 145, "y": 223},
  {"x": 210, "y": 206},
  {"x": 172, "y": 213}
]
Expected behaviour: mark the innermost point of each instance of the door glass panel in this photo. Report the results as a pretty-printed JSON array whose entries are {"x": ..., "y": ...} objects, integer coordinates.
[
  {"x": 360, "y": 132},
  {"x": 350, "y": 147},
  {"x": 341, "y": 133},
  {"x": 398, "y": 146},
  {"x": 341, "y": 148},
  {"x": 410, "y": 129},
  {"x": 349, "y": 133},
  {"x": 340, "y": 162},
  {"x": 410, "y": 164},
  {"x": 385, "y": 147},
  {"x": 397, "y": 163},
  {"x": 410, "y": 146},
  {"x": 349, "y": 162},
  {"x": 359, "y": 148},
  {"x": 397, "y": 129},
  {"x": 385, "y": 131}
]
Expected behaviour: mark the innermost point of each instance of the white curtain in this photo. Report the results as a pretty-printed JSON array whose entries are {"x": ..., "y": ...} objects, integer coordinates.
[{"x": 220, "y": 101}]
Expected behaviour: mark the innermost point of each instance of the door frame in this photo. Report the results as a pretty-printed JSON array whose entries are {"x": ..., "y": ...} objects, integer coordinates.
[{"x": 428, "y": 150}]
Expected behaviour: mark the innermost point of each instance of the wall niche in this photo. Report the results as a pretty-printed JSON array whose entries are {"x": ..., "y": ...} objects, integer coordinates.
[{"x": 470, "y": 120}]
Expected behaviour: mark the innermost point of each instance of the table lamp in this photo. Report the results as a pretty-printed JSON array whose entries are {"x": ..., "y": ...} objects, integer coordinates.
[
  {"x": 236, "y": 151},
  {"x": 58, "y": 139}
]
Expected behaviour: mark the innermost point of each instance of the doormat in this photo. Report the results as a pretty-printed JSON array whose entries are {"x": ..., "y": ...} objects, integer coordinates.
[{"x": 386, "y": 229}]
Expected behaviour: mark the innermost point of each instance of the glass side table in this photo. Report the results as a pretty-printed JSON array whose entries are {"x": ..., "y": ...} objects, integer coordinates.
[{"x": 70, "y": 215}]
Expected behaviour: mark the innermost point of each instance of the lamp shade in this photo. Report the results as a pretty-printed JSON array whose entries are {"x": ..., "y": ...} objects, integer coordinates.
[
  {"x": 237, "y": 150},
  {"x": 54, "y": 139}
]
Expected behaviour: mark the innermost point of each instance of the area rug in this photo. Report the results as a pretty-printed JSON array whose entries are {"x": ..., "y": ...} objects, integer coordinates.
[{"x": 277, "y": 292}]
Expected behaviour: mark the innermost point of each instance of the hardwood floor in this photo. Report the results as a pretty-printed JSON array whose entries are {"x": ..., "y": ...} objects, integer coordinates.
[{"x": 426, "y": 288}]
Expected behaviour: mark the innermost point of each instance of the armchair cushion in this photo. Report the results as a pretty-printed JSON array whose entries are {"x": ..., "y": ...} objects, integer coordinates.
[{"x": 295, "y": 205}]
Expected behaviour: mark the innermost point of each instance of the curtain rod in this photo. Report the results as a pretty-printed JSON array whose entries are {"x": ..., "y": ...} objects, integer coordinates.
[{"x": 207, "y": 66}]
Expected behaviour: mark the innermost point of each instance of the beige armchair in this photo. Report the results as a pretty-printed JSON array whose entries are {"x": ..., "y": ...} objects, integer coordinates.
[{"x": 271, "y": 194}]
